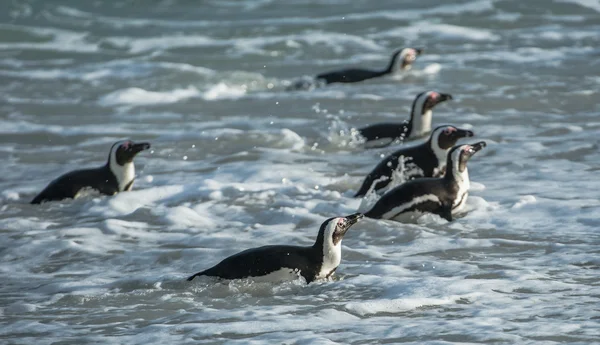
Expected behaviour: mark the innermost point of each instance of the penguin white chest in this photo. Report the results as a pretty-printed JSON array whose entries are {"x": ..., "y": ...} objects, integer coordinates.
[
  {"x": 125, "y": 174},
  {"x": 421, "y": 125},
  {"x": 332, "y": 257},
  {"x": 463, "y": 192}
]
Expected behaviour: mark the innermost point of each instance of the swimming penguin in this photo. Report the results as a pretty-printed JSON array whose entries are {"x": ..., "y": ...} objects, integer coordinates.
[
  {"x": 443, "y": 196},
  {"x": 424, "y": 160},
  {"x": 383, "y": 134},
  {"x": 115, "y": 176},
  {"x": 401, "y": 60},
  {"x": 283, "y": 262}
]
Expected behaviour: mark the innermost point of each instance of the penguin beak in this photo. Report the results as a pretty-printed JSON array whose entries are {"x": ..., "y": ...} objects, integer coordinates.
[
  {"x": 436, "y": 99},
  {"x": 476, "y": 148},
  {"x": 463, "y": 133},
  {"x": 444, "y": 97},
  {"x": 353, "y": 219},
  {"x": 136, "y": 148}
]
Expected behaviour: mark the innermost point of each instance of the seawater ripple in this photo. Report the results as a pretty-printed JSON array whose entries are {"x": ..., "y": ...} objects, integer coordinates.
[{"x": 236, "y": 162}]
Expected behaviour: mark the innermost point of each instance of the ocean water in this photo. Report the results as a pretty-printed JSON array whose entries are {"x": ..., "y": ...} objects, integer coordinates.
[{"x": 238, "y": 162}]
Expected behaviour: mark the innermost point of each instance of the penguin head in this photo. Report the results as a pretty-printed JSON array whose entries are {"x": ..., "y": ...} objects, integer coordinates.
[
  {"x": 445, "y": 137},
  {"x": 120, "y": 161},
  {"x": 334, "y": 229},
  {"x": 123, "y": 152},
  {"x": 407, "y": 56},
  {"x": 427, "y": 100},
  {"x": 459, "y": 155},
  {"x": 420, "y": 116}
]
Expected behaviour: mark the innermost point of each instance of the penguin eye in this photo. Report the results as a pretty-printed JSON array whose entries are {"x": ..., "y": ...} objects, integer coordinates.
[{"x": 449, "y": 130}]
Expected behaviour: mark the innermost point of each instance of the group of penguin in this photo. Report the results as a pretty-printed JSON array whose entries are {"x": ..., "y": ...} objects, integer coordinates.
[{"x": 435, "y": 171}]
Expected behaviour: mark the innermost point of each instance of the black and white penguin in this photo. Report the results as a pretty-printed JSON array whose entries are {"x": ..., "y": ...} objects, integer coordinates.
[
  {"x": 424, "y": 160},
  {"x": 401, "y": 60},
  {"x": 445, "y": 196},
  {"x": 383, "y": 134},
  {"x": 284, "y": 262},
  {"x": 117, "y": 175}
]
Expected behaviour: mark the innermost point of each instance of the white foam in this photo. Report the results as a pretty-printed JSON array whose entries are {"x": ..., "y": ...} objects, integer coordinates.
[
  {"x": 139, "y": 96},
  {"x": 524, "y": 200},
  {"x": 395, "y": 305},
  {"x": 223, "y": 91},
  {"x": 432, "y": 69}
]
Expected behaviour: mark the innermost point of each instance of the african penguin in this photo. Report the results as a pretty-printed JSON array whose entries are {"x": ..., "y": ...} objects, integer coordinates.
[
  {"x": 401, "y": 60},
  {"x": 424, "y": 160},
  {"x": 383, "y": 134},
  {"x": 443, "y": 196},
  {"x": 284, "y": 262},
  {"x": 115, "y": 176}
]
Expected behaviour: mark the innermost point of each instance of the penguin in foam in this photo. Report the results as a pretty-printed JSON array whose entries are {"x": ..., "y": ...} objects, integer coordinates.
[
  {"x": 285, "y": 262},
  {"x": 424, "y": 160},
  {"x": 419, "y": 124},
  {"x": 117, "y": 175},
  {"x": 445, "y": 196},
  {"x": 401, "y": 60}
]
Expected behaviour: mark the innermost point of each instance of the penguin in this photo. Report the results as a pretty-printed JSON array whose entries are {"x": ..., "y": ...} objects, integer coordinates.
[
  {"x": 424, "y": 160},
  {"x": 285, "y": 262},
  {"x": 117, "y": 175},
  {"x": 401, "y": 60},
  {"x": 444, "y": 196},
  {"x": 383, "y": 134}
]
